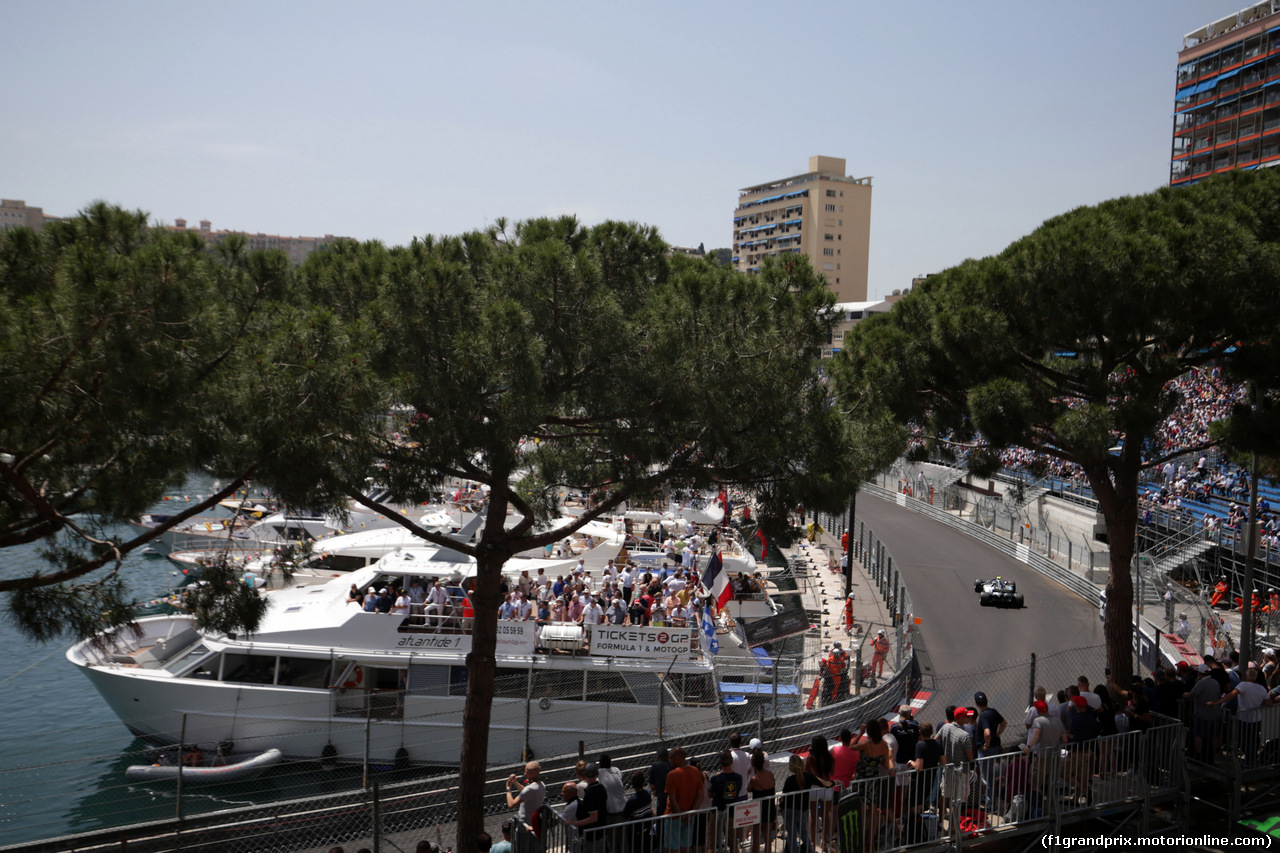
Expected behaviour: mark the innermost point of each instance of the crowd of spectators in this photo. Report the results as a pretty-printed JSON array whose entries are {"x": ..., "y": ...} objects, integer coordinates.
[
  {"x": 974, "y": 765},
  {"x": 1202, "y": 397}
]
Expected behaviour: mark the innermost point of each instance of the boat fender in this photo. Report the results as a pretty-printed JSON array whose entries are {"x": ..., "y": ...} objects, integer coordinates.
[
  {"x": 329, "y": 756},
  {"x": 402, "y": 759}
]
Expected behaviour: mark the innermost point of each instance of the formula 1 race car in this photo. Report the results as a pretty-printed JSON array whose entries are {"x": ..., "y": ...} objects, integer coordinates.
[{"x": 998, "y": 592}]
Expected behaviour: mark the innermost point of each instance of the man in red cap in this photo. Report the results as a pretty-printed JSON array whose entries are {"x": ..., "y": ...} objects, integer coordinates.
[{"x": 1046, "y": 729}]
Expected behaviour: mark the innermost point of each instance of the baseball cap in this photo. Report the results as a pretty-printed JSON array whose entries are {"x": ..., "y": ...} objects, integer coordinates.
[
  {"x": 980, "y": 698},
  {"x": 1202, "y": 668},
  {"x": 1040, "y": 706},
  {"x": 755, "y": 743},
  {"x": 382, "y": 591},
  {"x": 1183, "y": 665},
  {"x": 1079, "y": 701}
]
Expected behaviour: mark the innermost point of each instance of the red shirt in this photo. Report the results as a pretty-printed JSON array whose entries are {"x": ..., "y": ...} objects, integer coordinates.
[
  {"x": 683, "y": 785},
  {"x": 846, "y": 763}
]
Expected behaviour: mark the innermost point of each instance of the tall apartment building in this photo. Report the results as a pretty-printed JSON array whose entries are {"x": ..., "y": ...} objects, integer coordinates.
[
  {"x": 1227, "y": 103},
  {"x": 822, "y": 213}
]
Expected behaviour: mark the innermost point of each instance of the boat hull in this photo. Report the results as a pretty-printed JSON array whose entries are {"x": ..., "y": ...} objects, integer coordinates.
[{"x": 300, "y": 723}]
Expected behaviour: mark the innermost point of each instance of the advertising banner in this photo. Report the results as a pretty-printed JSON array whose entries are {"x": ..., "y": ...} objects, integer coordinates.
[{"x": 639, "y": 642}]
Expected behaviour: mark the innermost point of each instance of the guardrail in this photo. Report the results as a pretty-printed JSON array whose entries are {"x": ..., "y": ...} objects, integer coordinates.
[{"x": 1083, "y": 587}]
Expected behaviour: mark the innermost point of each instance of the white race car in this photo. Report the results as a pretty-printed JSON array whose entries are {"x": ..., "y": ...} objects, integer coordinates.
[{"x": 998, "y": 592}]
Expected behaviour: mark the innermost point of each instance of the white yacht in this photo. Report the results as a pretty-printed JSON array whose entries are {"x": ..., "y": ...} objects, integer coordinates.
[{"x": 322, "y": 679}]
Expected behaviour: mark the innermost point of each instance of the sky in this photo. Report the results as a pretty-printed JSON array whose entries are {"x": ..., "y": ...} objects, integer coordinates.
[{"x": 977, "y": 121}]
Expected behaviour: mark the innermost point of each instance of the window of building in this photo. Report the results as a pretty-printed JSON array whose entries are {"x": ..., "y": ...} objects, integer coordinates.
[
  {"x": 831, "y": 208},
  {"x": 828, "y": 237},
  {"x": 828, "y": 251},
  {"x": 831, "y": 193},
  {"x": 827, "y": 267}
]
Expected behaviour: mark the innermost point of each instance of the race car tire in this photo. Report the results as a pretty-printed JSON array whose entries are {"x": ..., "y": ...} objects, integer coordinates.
[
  {"x": 977, "y": 586},
  {"x": 1017, "y": 601},
  {"x": 1013, "y": 587},
  {"x": 985, "y": 599}
]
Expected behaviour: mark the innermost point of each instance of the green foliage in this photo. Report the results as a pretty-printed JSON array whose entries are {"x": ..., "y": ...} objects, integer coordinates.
[
  {"x": 583, "y": 358},
  {"x": 130, "y": 357},
  {"x": 222, "y": 602}
]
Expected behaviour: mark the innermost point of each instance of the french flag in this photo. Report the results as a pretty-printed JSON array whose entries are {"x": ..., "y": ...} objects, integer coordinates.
[{"x": 716, "y": 580}]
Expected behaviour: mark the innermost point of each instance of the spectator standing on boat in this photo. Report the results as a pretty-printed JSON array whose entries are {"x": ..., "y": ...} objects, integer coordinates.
[
  {"x": 402, "y": 605},
  {"x": 637, "y": 613},
  {"x": 355, "y": 596},
  {"x": 437, "y": 601},
  {"x": 524, "y": 607},
  {"x": 416, "y": 595},
  {"x": 592, "y": 615},
  {"x": 507, "y": 610},
  {"x": 371, "y": 601},
  {"x": 385, "y": 601},
  {"x": 616, "y": 614},
  {"x": 627, "y": 579}
]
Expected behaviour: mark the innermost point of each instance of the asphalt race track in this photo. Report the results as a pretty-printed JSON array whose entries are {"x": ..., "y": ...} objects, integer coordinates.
[{"x": 958, "y": 635}]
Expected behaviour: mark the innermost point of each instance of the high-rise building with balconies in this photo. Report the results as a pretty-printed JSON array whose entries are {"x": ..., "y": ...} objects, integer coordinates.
[
  {"x": 822, "y": 214},
  {"x": 1227, "y": 103}
]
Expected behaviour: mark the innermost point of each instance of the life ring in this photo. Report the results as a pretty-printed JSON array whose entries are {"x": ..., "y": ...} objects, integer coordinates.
[{"x": 357, "y": 677}]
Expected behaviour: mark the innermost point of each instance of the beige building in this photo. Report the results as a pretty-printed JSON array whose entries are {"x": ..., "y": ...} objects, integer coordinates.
[
  {"x": 822, "y": 213},
  {"x": 296, "y": 248},
  {"x": 16, "y": 214}
]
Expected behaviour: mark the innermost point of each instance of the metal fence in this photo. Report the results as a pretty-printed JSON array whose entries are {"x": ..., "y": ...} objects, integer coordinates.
[{"x": 1118, "y": 777}]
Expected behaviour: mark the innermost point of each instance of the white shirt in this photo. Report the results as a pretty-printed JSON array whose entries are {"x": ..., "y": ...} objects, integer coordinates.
[
  {"x": 625, "y": 577},
  {"x": 438, "y": 595},
  {"x": 592, "y": 614},
  {"x": 402, "y": 604}
]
